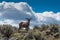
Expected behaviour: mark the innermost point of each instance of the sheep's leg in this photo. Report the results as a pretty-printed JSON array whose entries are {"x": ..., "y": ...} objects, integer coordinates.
[
  {"x": 19, "y": 29},
  {"x": 27, "y": 28}
]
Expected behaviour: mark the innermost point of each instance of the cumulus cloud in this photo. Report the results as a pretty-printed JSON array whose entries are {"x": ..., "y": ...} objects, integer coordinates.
[
  {"x": 13, "y": 13},
  {"x": 48, "y": 17}
]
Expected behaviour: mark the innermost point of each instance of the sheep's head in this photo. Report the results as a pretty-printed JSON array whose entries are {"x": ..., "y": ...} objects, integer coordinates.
[{"x": 28, "y": 19}]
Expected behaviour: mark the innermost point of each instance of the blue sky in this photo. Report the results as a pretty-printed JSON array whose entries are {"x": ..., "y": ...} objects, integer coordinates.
[
  {"x": 41, "y": 11},
  {"x": 41, "y": 5}
]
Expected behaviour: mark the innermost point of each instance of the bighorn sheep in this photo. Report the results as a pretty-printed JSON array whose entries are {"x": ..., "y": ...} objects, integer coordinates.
[{"x": 25, "y": 24}]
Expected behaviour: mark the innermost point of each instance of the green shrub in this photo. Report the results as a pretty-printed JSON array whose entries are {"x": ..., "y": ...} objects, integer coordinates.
[
  {"x": 7, "y": 30},
  {"x": 18, "y": 36},
  {"x": 54, "y": 28},
  {"x": 37, "y": 35},
  {"x": 44, "y": 27}
]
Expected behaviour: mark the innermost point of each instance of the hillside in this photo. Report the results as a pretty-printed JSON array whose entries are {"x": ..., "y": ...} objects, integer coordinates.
[{"x": 43, "y": 32}]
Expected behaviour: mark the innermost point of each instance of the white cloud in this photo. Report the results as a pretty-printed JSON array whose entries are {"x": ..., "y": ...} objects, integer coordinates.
[
  {"x": 49, "y": 17},
  {"x": 13, "y": 13}
]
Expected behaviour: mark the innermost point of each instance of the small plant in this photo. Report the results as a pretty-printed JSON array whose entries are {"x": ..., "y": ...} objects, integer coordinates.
[
  {"x": 18, "y": 36},
  {"x": 44, "y": 27},
  {"x": 54, "y": 28},
  {"x": 7, "y": 30},
  {"x": 37, "y": 35}
]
